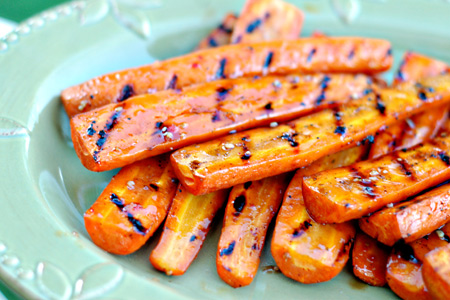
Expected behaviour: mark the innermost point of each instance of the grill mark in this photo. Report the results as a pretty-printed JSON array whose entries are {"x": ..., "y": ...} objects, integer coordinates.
[
  {"x": 193, "y": 238},
  {"x": 212, "y": 42},
  {"x": 323, "y": 86},
  {"x": 220, "y": 72},
  {"x": 268, "y": 106},
  {"x": 113, "y": 120},
  {"x": 290, "y": 138},
  {"x": 341, "y": 130},
  {"x": 380, "y": 106},
  {"x": 222, "y": 93},
  {"x": 126, "y": 92},
  {"x": 351, "y": 55},
  {"x": 267, "y": 62},
  {"x": 254, "y": 25},
  {"x": 366, "y": 184},
  {"x": 216, "y": 116},
  {"x": 404, "y": 165},
  {"x": 154, "y": 186},
  {"x": 444, "y": 157},
  {"x": 137, "y": 225},
  {"x": 108, "y": 126},
  {"x": 239, "y": 204},
  {"x": 91, "y": 131},
  {"x": 311, "y": 55},
  {"x": 172, "y": 83},
  {"x": 227, "y": 251},
  {"x": 225, "y": 29}
]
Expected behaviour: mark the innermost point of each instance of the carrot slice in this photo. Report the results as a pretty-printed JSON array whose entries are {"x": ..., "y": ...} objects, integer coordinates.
[
  {"x": 307, "y": 55},
  {"x": 436, "y": 239},
  {"x": 250, "y": 209},
  {"x": 351, "y": 192},
  {"x": 132, "y": 206},
  {"x": 118, "y": 134},
  {"x": 265, "y": 152},
  {"x": 304, "y": 250},
  {"x": 185, "y": 230},
  {"x": 369, "y": 259},
  {"x": 404, "y": 274},
  {"x": 410, "y": 220},
  {"x": 221, "y": 35},
  {"x": 262, "y": 20},
  {"x": 421, "y": 127},
  {"x": 436, "y": 272}
]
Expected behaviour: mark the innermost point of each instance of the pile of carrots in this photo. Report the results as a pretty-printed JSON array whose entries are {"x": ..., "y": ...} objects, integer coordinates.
[{"x": 271, "y": 125}]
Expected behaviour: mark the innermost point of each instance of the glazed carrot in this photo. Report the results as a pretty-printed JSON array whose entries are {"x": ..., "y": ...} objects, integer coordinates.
[
  {"x": 132, "y": 206},
  {"x": 421, "y": 127},
  {"x": 262, "y": 20},
  {"x": 250, "y": 209},
  {"x": 221, "y": 35},
  {"x": 348, "y": 193},
  {"x": 185, "y": 229},
  {"x": 410, "y": 220},
  {"x": 307, "y": 55},
  {"x": 118, "y": 134},
  {"x": 304, "y": 250},
  {"x": 436, "y": 239},
  {"x": 369, "y": 259},
  {"x": 404, "y": 274},
  {"x": 265, "y": 152},
  {"x": 436, "y": 272}
]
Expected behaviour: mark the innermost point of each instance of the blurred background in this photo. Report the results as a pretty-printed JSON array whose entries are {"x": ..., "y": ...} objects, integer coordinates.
[{"x": 19, "y": 10}]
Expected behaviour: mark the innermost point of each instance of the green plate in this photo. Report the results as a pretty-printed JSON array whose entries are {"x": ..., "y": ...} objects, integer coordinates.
[{"x": 45, "y": 251}]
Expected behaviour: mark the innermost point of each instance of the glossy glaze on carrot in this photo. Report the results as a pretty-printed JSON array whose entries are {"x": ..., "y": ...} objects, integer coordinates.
[
  {"x": 265, "y": 152},
  {"x": 404, "y": 274},
  {"x": 250, "y": 209},
  {"x": 273, "y": 57},
  {"x": 418, "y": 128},
  {"x": 262, "y": 20},
  {"x": 221, "y": 35},
  {"x": 185, "y": 230},
  {"x": 132, "y": 206},
  {"x": 436, "y": 272},
  {"x": 411, "y": 219},
  {"x": 369, "y": 259},
  {"x": 304, "y": 250},
  {"x": 118, "y": 134}
]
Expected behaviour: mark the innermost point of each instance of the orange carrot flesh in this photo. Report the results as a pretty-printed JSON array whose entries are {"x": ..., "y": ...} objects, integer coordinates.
[
  {"x": 307, "y": 55},
  {"x": 262, "y": 20},
  {"x": 250, "y": 209},
  {"x": 421, "y": 127},
  {"x": 265, "y": 152},
  {"x": 410, "y": 220},
  {"x": 132, "y": 206},
  {"x": 369, "y": 260},
  {"x": 185, "y": 230},
  {"x": 436, "y": 272},
  {"x": 304, "y": 250},
  {"x": 118, "y": 134},
  {"x": 404, "y": 275},
  {"x": 352, "y": 192},
  {"x": 436, "y": 239},
  {"x": 221, "y": 35}
]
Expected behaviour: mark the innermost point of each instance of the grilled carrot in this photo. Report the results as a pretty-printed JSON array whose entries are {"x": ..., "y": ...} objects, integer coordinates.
[
  {"x": 421, "y": 127},
  {"x": 369, "y": 259},
  {"x": 404, "y": 274},
  {"x": 118, "y": 134},
  {"x": 262, "y": 20},
  {"x": 348, "y": 193},
  {"x": 436, "y": 272},
  {"x": 304, "y": 250},
  {"x": 185, "y": 229},
  {"x": 265, "y": 152},
  {"x": 410, "y": 220},
  {"x": 221, "y": 35},
  {"x": 436, "y": 239},
  {"x": 250, "y": 209},
  {"x": 132, "y": 206},
  {"x": 307, "y": 55}
]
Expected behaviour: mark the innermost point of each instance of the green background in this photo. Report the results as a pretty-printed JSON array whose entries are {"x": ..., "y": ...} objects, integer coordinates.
[{"x": 19, "y": 10}]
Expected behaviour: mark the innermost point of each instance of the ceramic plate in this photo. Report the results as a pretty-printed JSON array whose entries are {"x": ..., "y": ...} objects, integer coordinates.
[{"x": 45, "y": 251}]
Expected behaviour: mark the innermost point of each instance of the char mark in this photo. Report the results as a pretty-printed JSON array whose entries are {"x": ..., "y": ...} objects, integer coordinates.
[
  {"x": 380, "y": 105},
  {"x": 239, "y": 204},
  {"x": 172, "y": 83},
  {"x": 113, "y": 120},
  {"x": 290, "y": 138},
  {"x": 323, "y": 86},
  {"x": 267, "y": 62},
  {"x": 444, "y": 157},
  {"x": 117, "y": 201},
  {"x": 254, "y": 25},
  {"x": 212, "y": 42},
  {"x": 137, "y": 225},
  {"x": 91, "y": 131},
  {"x": 229, "y": 250},
  {"x": 341, "y": 130},
  {"x": 220, "y": 74},
  {"x": 404, "y": 165},
  {"x": 311, "y": 55},
  {"x": 222, "y": 93},
  {"x": 154, "y": 186},
  {"x": 126, "y": 93}
]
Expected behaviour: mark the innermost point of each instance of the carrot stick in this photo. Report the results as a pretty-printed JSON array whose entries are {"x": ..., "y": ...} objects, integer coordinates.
[
  {"x": 436, "y": 239},
  {"x": 307, "y": 55},
  {"x": 421, "y": 127},
  {"x": 369, "y": 259},
  {"x": 436, "y": 272},
  {"x": 132, "y": 206},
  {"x": 404, "y": 274},
  {"x": 265, "y": 152},
  {"x": 185, "y": 230},
  {"x": 351, "y": 192},
  {"x": 221, "y": 35},
  {"x": 304, "y": 250},
  {"x": 262, "y": 20},
  {"x": 118, "y": 134},
  {"x": 250, "y": 209},
  {"x": 410, "y": 220}
]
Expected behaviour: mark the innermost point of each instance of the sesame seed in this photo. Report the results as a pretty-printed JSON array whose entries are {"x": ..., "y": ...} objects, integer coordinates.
[
  {"x": 82, "y": 105},
  {"x": 273, "y": 124},
  {"x": 227, "y": 146},
  {"x": 164, "y": 129},
  {"x": 131, "y": 184},
  {"x": 118, "y": 108},
  {"x": 390, "y": 205},
  {"x": 168, "y": 135},
  {"x": 440, "y": 233}
]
